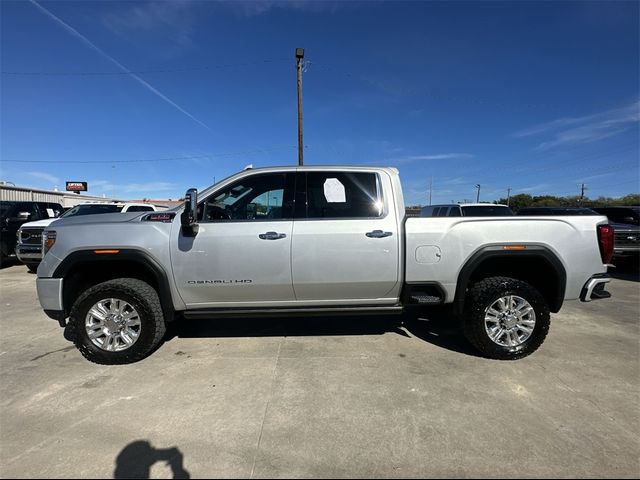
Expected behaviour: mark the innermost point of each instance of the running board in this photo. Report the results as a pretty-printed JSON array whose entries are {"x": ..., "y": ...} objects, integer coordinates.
[{"x": 292, "y": 312}]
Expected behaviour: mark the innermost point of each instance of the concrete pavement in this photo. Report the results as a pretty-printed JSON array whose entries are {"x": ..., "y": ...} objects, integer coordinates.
[{"x": 341, "y": 397}]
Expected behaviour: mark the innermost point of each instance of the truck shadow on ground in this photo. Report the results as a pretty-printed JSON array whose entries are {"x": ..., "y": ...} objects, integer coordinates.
[
  {"x": 626, "y": 269},
  {"x": 136, "y": 459},
  {"x": 438, "y": 327}
]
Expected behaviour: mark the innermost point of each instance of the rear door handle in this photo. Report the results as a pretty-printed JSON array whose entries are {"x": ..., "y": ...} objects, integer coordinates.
[
  {"x": 378, "y": 234},
  {"x": 272, "y": 236}
]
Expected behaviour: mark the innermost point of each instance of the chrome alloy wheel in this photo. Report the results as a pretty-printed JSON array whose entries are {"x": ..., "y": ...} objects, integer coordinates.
[
  {"x": 509, "y": 321},
  {"x": 113, "y": 324}
]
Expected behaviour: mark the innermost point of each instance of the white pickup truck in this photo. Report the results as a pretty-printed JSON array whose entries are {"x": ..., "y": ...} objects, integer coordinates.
[
  {"x": 29, "y": 236},
  {"x": 313, "y": 241}
]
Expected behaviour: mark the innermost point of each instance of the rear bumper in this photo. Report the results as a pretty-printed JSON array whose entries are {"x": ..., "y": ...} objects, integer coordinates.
[{"x": 594, "y": 288}]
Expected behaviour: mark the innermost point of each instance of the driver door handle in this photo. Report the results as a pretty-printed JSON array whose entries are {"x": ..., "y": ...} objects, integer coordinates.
[
  {"x": 378, "y": 234},
  {"x": 272, "y": 236}
]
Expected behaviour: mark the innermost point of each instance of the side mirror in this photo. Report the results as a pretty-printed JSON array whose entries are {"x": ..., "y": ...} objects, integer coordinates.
[
  {"x": 189, "y": 217},
  {"x": 24, "y": 215}
]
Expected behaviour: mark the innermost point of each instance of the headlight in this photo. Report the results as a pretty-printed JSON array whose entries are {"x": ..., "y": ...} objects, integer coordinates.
[{"x": 48, "y": 240}]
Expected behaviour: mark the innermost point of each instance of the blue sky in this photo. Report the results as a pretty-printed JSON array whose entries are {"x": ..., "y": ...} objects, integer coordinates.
[{"x": 156, "y": 97}]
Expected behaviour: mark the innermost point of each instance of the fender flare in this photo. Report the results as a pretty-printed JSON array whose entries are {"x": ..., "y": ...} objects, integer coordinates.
[
  {"x": 140, "y": 257},
  {"x": 498, "y": 251}
]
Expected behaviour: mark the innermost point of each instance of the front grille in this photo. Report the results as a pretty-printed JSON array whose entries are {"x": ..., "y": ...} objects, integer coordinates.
[
  {"x": 31, "y": 236},
  {"x": 627, "y": 239}
]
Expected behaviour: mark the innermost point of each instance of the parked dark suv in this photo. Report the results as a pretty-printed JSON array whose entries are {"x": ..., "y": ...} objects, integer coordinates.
[
  {"x": 14, "y": 214},
  {"x": 466, "y": 210},
  {"x": 556, "y": 211},
  {"x": 626, "y": 225}
]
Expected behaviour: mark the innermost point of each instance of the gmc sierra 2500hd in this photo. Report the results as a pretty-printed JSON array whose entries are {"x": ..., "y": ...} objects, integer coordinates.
[{"x": 313, "y": 241}]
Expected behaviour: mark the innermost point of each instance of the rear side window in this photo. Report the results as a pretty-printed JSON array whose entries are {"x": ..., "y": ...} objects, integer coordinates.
[
  {"x": 443, "y": 211},
  {"x": 436, "y": 212},
  {"x": 454, "y": 212},
  {"x": 343, "y": 195}
]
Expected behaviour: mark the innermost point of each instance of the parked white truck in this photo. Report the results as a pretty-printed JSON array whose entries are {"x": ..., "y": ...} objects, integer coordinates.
[
  {"x": 29, "y": 236},
  {"x": 313, "y": 241}
]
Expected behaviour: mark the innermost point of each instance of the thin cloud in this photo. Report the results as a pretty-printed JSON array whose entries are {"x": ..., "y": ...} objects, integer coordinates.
[
  {"x": 105, "y": 186},
  {"x": 438, "y": 156},
  {"x": 46, "y": 177},
  {"x": 176, "y": 20},
  {"x": 91, "y": 45},
  {"x": 534, "y": 188},
  {"x": 254, "y": 8},
  {"x": 587, "y": 129}
]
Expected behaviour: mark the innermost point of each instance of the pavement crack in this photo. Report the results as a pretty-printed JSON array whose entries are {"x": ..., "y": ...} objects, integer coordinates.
[
  {"x": 266, "y": 407},
  {"x": 65, "y": 349}
]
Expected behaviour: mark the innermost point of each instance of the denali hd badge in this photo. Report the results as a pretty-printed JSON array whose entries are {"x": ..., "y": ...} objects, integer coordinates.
[
  {"x": 217, "y": 282},
  {"x": 159, "y": 217}
]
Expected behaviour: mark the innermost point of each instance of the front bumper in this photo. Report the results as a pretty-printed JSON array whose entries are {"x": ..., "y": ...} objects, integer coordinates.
[
  {"x": 50, "y": 293},
  {"x": 50, "y": 297},
  {"x": 594, "y": 288},
  {"x": 29, "y": 253}
]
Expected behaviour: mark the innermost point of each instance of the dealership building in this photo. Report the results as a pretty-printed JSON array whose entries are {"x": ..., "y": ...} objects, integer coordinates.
[{"x": 12, "y": 193}]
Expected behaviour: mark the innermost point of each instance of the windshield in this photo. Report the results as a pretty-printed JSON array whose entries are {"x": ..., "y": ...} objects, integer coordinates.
[
  {"x": 91, "y": 210},
  {"x": 486, "y": 211}
]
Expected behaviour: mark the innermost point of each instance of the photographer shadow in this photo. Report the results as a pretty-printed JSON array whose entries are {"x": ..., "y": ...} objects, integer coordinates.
[{"x": 136, "y": 459}]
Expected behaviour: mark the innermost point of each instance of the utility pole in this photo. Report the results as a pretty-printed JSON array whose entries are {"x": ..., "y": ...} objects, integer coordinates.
[
  {"x": 508, "y": 195},
  {"x": 582, "y": 189},
  {"x": 299, "y": 57},
  {"x": 430, "y": 189},
  {"x": 478, "y": 194}
]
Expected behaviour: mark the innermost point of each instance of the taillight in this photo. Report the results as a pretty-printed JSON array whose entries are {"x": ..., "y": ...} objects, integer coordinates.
[{"x": 605, "y": 240}]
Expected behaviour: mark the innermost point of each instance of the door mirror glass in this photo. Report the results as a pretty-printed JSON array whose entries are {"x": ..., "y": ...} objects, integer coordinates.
[
  {"x": 23, "y": 215},
  {"x": 189, "y": 217}
]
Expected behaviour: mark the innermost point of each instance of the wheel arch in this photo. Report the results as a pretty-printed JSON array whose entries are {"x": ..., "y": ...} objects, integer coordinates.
[
  {"x": 83, "y": 269},
  {"x": 535, "y": 264}
]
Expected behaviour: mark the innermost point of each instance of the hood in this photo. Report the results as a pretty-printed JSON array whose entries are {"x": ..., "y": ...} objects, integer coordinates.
[
  {"x": 38, "y": 223},
  {"x": 100, "y": 218}
]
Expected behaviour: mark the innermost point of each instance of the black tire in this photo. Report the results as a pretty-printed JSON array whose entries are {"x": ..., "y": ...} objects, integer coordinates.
[
  {"x": 33, "y": 267},
  {"x": 482, "y": 295},
  {"x": 146, "y": 302}
]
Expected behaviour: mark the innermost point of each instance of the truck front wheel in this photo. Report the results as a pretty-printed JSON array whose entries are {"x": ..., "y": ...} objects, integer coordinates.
[
  {"x": 116, "y": 322},
  {"x": 505, "y": 318}
]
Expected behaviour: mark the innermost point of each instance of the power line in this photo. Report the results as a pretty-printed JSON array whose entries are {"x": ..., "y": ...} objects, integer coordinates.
[
  {"x": 162, "y": 159},
  {"x": 147, "y": 71}
]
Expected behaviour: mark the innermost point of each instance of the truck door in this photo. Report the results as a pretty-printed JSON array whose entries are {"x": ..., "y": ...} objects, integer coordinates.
[
  {"x": 242, "y": 251},
  {"x": 345, "y": 238}
]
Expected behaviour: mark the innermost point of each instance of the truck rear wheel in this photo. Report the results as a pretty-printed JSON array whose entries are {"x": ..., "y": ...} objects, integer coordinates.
[
  {"x": 116, "y": 322},
  {"x": 505, "y": 318}
]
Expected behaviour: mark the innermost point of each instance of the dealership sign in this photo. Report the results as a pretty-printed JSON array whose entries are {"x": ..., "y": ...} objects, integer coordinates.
[{"x": 76, "y": 186}]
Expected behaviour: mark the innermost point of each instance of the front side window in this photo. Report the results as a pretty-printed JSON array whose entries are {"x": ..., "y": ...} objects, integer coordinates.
[
  {"x": 257, "y": 197},
  {"x": 343, "y": 195}
]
